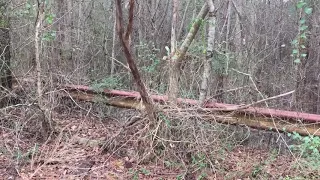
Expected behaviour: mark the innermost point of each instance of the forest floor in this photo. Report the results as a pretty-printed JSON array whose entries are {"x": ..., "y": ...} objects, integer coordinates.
[{"x": 66, "y": 158}]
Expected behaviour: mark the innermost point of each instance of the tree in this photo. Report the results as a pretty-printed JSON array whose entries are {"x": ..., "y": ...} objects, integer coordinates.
[
  {"x": 46, "y": 118},
  {"x": 177, "y": 57},
  {"x": 209, "y": 52},
  {"x": 125, "y": 41},
  {"x": 5, "y": 71}
]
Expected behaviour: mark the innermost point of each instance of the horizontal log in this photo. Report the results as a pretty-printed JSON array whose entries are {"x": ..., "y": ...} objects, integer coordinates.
[
  {"x": 249, "y": 120},
  {"x": 265, "y": 112}
]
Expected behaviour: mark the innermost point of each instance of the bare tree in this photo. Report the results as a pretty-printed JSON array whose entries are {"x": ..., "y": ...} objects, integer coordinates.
[
  {"x": 45, "y": 119},
  {"x": 125, "y": 38},
  {"x": 113, "y": 44},
  {"x": 177, "y": 57},
  {"x": 5, "y": 56},
  {"x": 209, "y": 52},
  {"x": 174, "y": 26}
]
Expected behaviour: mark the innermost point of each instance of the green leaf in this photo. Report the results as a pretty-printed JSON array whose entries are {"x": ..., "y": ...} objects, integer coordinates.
[
  {"x": 303, "y": 55},
  {"x": 145, "y": 171},
  {"x": 28, "y": 5},
  {"x": 302, "y": 21},
  {"x": 300, "y": 4},
  {"x": 304, "y": 27},
  {"x": 295, "y": 51},
  {"x": 308, "y": 10},
  {"x": 297, "y": 61},
  {"x": 303, "y": 36},
  {"x": 295, "y": 41},
  {"x": 302, "y": 46}
]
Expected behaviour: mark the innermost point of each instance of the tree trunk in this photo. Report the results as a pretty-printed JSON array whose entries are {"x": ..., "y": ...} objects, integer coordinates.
[
  {"x": 180, "y": 34},
  {"x": 209, "y": 52},
  {"x": 177, "y": 57},
  {"x": 5, "y": 56},
  {"x": 174, "y": 26},
  {"x": 113, "y": 46},
  {"x": 45, "y": 121},
  {"x": 125, "y": 41}
]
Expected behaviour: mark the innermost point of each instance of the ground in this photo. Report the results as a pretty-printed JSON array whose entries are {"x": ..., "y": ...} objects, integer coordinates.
[{"x": 67, "y": 157}]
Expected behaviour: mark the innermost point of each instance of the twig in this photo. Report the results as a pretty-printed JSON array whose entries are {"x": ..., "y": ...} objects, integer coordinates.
[
  {"x": 126, "y": 67},
  {"x": 270, "y": 98}
]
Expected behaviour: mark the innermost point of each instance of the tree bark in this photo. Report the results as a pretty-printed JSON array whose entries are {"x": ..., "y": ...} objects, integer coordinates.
[
  {"x": 113, "y": 46},
  {"x": 124, "y": 39},
  {"x": 37, "y": 52},
  {"x": 177, "y": 58},
  {"x": 209, "y": 53},
  {"x": 180, "y": 34},
  {"x": 5, "y": 56},
  {"x": 174, "y": 26},
  {"x": 45, "y": 117}
]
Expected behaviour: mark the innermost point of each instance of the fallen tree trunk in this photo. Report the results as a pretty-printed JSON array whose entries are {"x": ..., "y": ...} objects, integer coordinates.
[{"x": 260, "y": 118}]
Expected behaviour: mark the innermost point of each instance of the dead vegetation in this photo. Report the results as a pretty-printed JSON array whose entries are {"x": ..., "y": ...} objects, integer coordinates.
[{"x": 95, "y": 141}]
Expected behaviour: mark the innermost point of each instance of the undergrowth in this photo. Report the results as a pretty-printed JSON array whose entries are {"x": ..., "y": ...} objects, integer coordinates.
[{"x": 308, "y": 148}]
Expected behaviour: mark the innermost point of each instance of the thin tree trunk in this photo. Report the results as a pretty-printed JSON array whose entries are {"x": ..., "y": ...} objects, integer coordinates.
[
  {"x": 183, "y": 20},
  {"x": 124, "y": 39},
  {"x": 209, "y": 53},
  {"x": 177, "y": 58},
  {"x": 223, "y": 74},
  {"x": 5, "y": 56},
  {"x": 113, "y": 45},
  {"x": 239, "y": 33},
  {"x": 37, "y": 52},
  {"x": 45, "y": 121},
  {"x": 174, "y": 26}
]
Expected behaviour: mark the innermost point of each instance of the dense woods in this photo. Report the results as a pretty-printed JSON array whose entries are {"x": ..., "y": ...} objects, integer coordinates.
[
  {"x": 214, "y": 51},
  {"x": 254, "y": 52}
]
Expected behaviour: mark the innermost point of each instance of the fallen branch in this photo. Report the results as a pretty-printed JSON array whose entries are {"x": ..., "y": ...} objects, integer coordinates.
[{"x": 240, "y": 107}]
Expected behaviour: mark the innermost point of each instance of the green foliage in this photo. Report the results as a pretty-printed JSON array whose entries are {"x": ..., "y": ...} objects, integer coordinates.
[
  {"x": 199, "y": 161},
  {"x": 144, "y": 171},
  {"x": 201, "y": 49},
  {"x": 298, "y": 43},
  {"x": 165, "y": 119},
  {"x": 308, "y": 147},
  {"x": 107, "y": 83},
  {"x": 3, "y": 23},
  {"x": 179, "y": 177},
  {"x": 49, "y": 36},
  {"x": 172, "y": 164},
  {"x": 201, "y": 21},
  {"x": 223, "y": 60},
  {"x": 19, "y": 155},
  {"x": 135, "y": 173},
  {"x": 256, "y": 171},
  {"x": 188, "y": 94},
  {"x": 28, "y": 11},
  {"x": 148, "y": 56},
  {"x": 49, "y": 17}
]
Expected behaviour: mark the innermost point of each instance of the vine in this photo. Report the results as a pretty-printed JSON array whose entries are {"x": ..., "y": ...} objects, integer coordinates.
[{"x": 298, "y": 43}]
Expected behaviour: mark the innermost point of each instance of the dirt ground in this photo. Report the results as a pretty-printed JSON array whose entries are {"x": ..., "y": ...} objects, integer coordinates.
[{"x": 66, "y": 157}]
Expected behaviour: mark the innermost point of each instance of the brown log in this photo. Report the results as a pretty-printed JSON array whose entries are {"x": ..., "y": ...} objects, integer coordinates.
[
  {"x": 264, "y": 112},
  {"x": 258, "y": 118}
]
